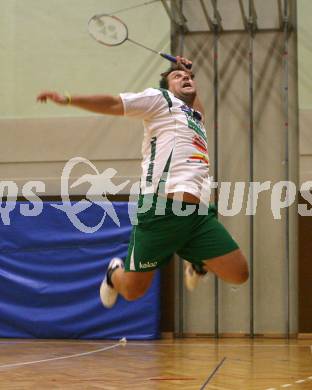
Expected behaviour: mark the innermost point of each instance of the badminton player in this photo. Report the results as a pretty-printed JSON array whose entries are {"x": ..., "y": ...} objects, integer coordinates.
[{"x": 174, "y": 215}]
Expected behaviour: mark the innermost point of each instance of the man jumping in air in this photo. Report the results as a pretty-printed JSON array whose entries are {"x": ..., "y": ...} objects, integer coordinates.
[{"x": 174, "y": 215}]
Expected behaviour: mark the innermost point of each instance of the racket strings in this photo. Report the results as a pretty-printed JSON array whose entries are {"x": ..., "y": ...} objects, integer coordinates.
[
  {"x": 108, "y": 30},
  {"x": 111, "y": 31}
]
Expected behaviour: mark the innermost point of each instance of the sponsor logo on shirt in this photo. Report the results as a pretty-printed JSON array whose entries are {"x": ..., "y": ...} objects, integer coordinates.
[
  {"x": 200, "y": 144},
  {"x": 199, "y": 157},
  {"x": 189, "y": 111}
]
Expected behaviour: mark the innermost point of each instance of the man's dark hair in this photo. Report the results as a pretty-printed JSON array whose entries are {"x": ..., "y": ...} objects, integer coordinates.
[{"x": 163, "y": 82}]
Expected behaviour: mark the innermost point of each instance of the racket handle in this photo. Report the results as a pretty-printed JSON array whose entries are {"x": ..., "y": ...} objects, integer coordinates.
[{"x": 173, "y": 59}]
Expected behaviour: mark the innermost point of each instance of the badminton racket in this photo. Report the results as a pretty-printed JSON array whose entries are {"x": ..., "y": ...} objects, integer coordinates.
[{"x": 111, "y": 31}]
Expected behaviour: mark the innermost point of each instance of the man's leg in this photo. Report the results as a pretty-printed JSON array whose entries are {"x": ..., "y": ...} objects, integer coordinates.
[
  {"x": 231, "y": 268},
  {"x": 131, "y": 285},
  {"x": 213, "y": 249}
]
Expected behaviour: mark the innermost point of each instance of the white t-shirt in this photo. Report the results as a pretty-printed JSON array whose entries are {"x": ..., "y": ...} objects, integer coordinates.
[{"x": 174, "y": 138}]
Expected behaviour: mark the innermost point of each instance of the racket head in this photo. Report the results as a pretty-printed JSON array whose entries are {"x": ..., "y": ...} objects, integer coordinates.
[{"x": 107, "y": 30}]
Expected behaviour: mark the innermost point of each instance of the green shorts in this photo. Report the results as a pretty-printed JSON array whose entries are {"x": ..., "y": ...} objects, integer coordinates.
[{"x": 160, "y": 233}]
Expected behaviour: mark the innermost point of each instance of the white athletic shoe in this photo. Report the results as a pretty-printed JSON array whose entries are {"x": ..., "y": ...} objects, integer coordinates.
[
  {"x": 192, "y": 275},
  {"x": 108, "y": 294}
]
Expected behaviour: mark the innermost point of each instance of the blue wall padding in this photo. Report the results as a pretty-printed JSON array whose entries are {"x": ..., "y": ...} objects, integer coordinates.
[{"x": 50, "y": 274}]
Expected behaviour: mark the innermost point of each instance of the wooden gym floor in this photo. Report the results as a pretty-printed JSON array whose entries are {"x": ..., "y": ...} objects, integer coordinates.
[{"x": 191, "y": 364}]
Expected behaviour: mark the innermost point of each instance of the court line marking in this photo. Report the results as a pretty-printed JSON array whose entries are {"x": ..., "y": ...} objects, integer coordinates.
[
  {"x": 11, "y": 365},
  {"x": 286, "y": 385},
  {"x": 213, "y": 373}
]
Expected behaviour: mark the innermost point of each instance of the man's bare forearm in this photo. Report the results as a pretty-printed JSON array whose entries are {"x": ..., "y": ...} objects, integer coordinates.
[{"x": 101, "y": 104}]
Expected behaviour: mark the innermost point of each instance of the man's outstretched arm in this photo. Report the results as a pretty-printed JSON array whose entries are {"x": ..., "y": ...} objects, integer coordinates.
[{"x": 101, "y": 104}]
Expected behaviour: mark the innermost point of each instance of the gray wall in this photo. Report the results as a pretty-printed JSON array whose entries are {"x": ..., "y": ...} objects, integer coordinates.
[{"x": 270, "y": 268}]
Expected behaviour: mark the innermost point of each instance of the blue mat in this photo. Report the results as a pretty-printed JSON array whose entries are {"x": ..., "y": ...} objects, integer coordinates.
[{"x": 50, "y": 274}]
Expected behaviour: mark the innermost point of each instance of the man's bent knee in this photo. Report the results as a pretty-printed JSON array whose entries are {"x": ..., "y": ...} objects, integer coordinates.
[
  {"x": 232, "y": 267},
  {"x": 241, "y": 276},
  {"x": 243, "y": 271},
  {"x": 133, "y": 293},
  {"x": 135, "y": 286}
]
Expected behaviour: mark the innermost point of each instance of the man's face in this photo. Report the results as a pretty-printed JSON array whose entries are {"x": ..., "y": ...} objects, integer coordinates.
[{"x": 181, "y": 83}]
